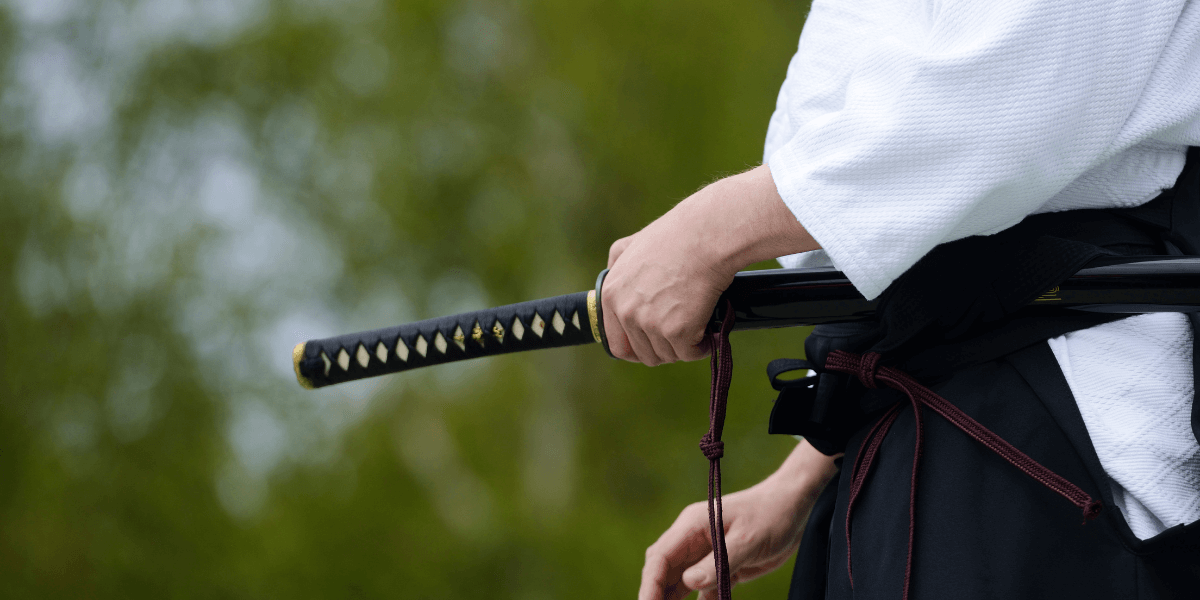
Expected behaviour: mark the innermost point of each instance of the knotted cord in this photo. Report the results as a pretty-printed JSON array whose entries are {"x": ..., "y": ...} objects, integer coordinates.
[{"x": 713, "y": 448}]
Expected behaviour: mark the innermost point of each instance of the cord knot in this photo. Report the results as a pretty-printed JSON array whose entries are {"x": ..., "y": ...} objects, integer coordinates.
[
  {"x": 712, "y": 450},
  {"x": 867, "y": 369},
  {"x": 864, "y": 366}
]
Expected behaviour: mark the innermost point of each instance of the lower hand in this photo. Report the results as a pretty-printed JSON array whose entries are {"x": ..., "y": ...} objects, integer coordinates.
[{"x": 763, "y": 526}]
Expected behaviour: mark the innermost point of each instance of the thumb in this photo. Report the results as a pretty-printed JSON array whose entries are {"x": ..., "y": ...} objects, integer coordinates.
[{"x": 704, "y": 573}]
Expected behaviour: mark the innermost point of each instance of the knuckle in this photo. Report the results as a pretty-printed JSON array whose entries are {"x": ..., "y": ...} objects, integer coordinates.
[
  {"x": 741, "y": 539},
  {"x": 616, "y": 248},
  {"x": 678, "y": 331},
  {"x": 625, "y": 313},
  {"x": 655, "y": 567}
]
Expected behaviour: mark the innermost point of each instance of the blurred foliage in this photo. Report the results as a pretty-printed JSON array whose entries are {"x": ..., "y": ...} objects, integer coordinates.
[{"x": 190, "y": 188}]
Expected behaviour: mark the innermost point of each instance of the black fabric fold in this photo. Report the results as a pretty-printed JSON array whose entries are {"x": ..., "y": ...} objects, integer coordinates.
[
  {"x": 955, "y": 308},
  {"x": 991, "y": 534}
]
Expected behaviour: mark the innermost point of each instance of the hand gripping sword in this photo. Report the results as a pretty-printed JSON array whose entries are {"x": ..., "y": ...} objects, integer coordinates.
[{"x": 759, "y": 300}]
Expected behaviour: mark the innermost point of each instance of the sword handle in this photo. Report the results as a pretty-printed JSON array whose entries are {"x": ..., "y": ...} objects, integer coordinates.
[
  {"x": 568, "y": 320},
  {"x": 760, "y": 299}
]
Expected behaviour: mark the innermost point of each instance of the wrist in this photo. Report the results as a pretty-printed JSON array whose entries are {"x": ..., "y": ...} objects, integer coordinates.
[
  {"x": 804, "y": 473},
  {"x": 749, "y": 222}
]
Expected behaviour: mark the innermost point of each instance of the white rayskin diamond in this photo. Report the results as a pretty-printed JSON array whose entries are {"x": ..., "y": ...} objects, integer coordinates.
[
  {"x": 363, "y": 356},
  {"x": 401, "y": 349},
  {"x": 539, "y": 326},
  {"x": 557, "y": 321},
  {"x": 439, "y": 342},
  {"x": 381, "y": 352},
  {"x": 422, "y": 345},
  {"x": 575, "y": 320},
  {"x": 327, "y": 363},
  {"x": 459, "y": 340},
  {"x": 518, "y": 328},
  {"x": 343, "y": 359}
]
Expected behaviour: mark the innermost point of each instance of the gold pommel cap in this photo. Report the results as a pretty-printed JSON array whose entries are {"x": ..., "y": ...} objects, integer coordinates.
[{"x": 297, "y": 354}]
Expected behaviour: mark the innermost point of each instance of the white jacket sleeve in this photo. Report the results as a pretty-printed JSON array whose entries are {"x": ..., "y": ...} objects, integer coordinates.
[{"x": 961, "y": 117}]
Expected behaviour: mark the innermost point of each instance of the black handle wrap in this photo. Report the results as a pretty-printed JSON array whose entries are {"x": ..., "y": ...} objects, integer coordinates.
[{"x": 547, "y": 323}]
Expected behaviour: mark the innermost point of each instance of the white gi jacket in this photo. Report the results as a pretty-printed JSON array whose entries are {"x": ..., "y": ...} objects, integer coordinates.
[{"x": 903, "y": 124}]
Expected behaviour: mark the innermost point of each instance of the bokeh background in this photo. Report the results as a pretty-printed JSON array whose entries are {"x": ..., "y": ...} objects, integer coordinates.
[{"x": 191, "y": 187}]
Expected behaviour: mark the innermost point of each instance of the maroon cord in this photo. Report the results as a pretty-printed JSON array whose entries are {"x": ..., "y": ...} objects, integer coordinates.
[
  {"x": 866, "y": 368},
  {"x": 713, "y": 448}
]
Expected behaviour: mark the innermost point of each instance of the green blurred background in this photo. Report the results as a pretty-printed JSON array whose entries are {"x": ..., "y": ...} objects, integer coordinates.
[{"x": 191, "y": 187}]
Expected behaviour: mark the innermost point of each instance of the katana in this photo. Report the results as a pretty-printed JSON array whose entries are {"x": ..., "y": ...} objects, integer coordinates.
[{"x": 759, "y": 300}]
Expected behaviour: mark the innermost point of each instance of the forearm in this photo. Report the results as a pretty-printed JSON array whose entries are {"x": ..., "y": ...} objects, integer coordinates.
[
  {"x": 746, "y": 221},
  {"x": 805, "y": 472}
]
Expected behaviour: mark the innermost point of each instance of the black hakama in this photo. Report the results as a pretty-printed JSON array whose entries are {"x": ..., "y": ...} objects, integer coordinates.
[{"x": 983, "y": 528}]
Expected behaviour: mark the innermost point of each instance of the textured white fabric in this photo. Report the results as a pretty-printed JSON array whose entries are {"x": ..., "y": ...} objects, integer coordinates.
[
  {"x": 904, "y": 124},
  {"x": 907, "y": 123},
  {"x": 1140, "y": 426}
]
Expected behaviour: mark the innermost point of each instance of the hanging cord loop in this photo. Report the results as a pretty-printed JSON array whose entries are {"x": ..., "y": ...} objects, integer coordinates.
[{"x": 713, "y": 448}]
